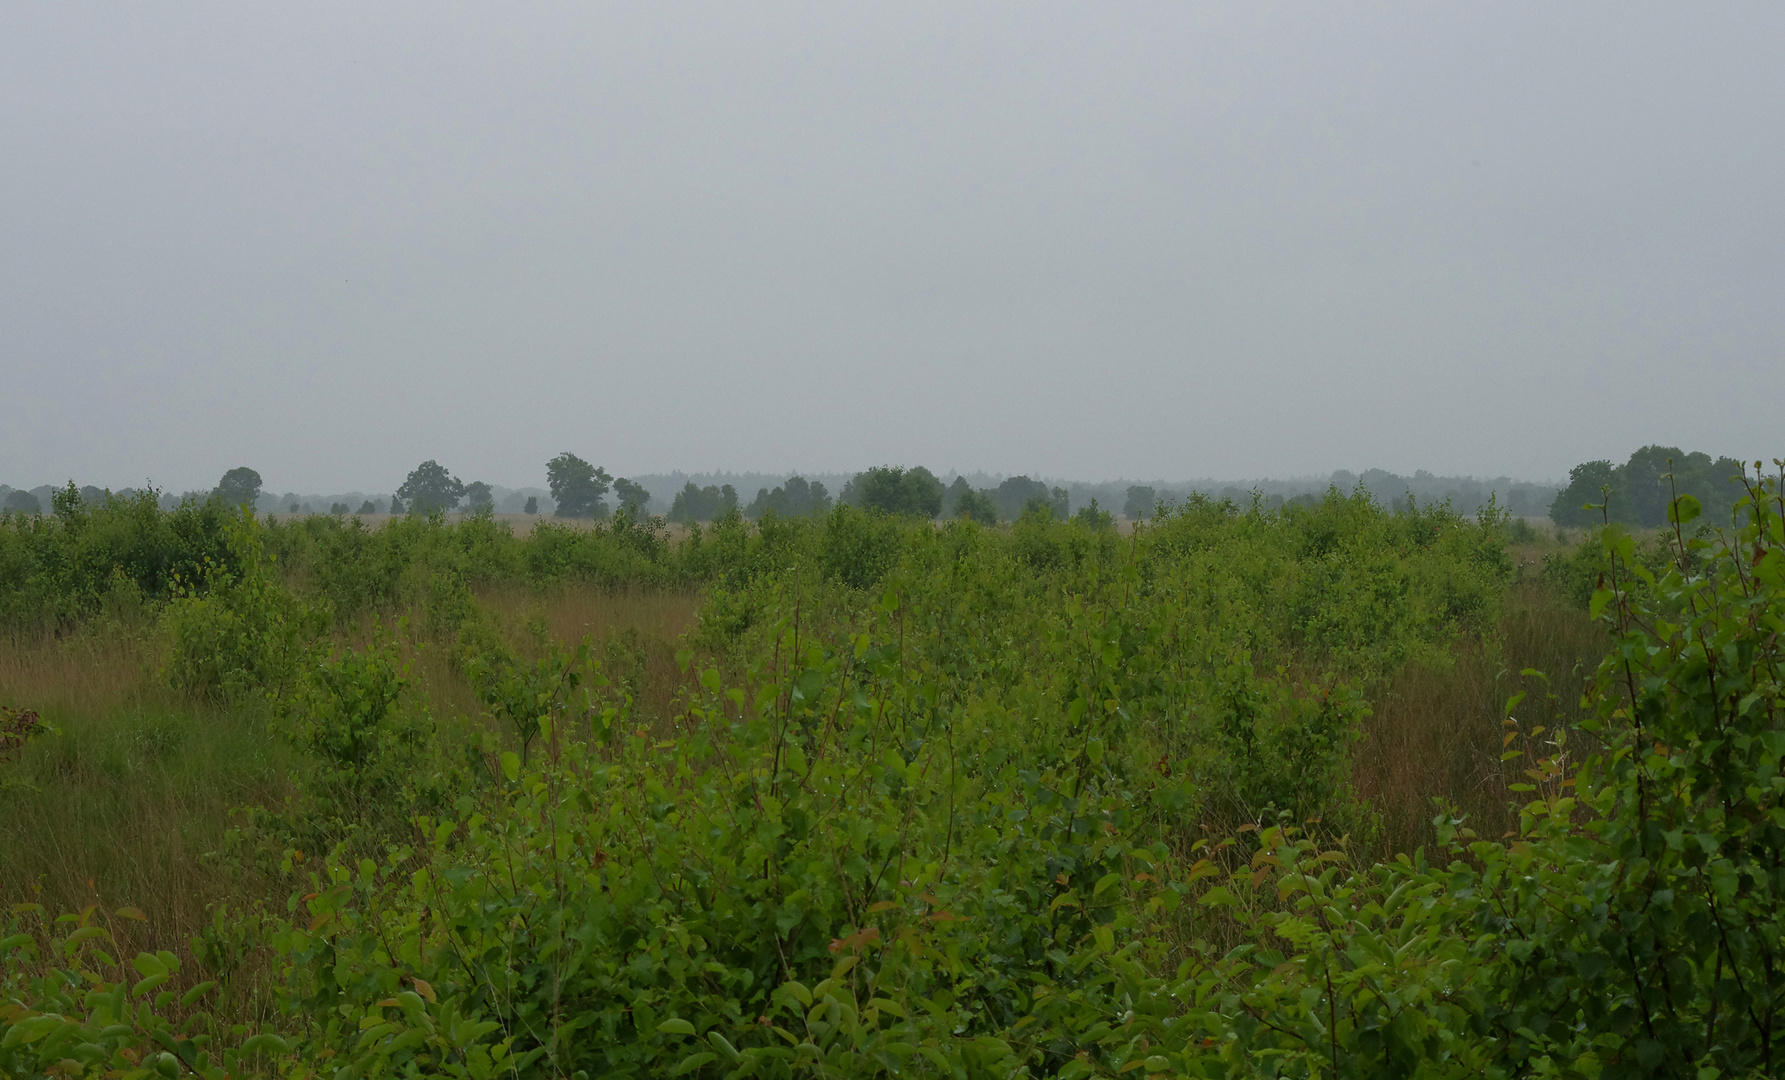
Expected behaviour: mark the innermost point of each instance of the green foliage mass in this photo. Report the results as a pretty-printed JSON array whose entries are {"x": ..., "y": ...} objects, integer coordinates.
[
  {"x": 796, "y": 498},
  {"x": 710, "y": 503},
  {"x": 60, "y": 569},
  {"x": 891, "y": 489},
  {"x": 430, "y": 487},
  {"x": 1643, "y": 488},
  {"x": 1047, "y": 801},
  {"x": 577, "y": 486}
]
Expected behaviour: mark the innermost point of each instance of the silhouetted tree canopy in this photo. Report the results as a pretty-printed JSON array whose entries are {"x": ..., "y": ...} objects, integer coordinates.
[
  {"x": 477, "y": 495},
  {"x": 1640, "y": 490},
  {"x": 632, "y": 496},
  {"x": 430, "y": 487},
  {"x": 703, "y": 504},
  {"x": 1141, "y": 502},
  {"x": 577, "y": 486},
  {"x": 890, "y": 489},
  {"x": 239, "y": 487},
  {"x": 1017, "y": 493},
  {"x": 798, "y": 497}
]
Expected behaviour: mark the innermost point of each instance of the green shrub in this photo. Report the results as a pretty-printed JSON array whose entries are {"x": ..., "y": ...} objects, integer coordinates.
[
  {"x": 236, "y": 634},
  {"x": 858, "y": 547},
  {"x": 370, "y": 752}
]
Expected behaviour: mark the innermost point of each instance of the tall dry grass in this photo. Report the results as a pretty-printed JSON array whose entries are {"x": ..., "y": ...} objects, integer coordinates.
[
  {"x": 1438, "y": 730},
  {"x": 122, "y": 801}
]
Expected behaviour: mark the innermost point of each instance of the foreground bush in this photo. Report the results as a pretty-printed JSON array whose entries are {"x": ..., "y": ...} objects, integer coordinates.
[{"x": 841, "y": 870}]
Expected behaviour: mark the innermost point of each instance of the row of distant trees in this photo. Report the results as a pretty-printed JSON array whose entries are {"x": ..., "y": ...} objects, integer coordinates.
[{"x": 1635, "y": 492}]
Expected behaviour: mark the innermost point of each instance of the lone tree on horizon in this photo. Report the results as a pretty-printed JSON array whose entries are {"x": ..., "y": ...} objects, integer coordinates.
[
  {"x": 430, "y": 487},
  {"x": 239, "y": 487},
  {"x": 577, "y": 486}
]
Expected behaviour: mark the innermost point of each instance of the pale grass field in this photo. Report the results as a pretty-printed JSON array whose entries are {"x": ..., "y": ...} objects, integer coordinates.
[{"x": 122, "y": 801}]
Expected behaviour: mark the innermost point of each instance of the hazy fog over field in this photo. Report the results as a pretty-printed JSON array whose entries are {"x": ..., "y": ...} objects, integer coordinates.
[{"x": 1148, "y": 240}]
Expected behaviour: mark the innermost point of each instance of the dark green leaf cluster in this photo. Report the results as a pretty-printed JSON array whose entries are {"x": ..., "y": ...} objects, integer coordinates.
[
  {"x": 1642, "y": 488},
  {"x": 703, "y": 504},
  {"x": 796, "y": 498},
  {"x": 110, "y": 554},
  {"x": 430, "y": 488},
  {"x": 891, "y": 489}
]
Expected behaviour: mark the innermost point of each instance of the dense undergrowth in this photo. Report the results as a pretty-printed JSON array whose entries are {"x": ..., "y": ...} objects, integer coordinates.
[{"x": 957, "y": 801}]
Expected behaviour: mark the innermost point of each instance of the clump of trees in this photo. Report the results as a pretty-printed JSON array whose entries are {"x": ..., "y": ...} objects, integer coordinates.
[
  {"x": 1639, "y": 491},
  {"x": 632, "y": 496},
  {"x": 703, "y": 504},
  {"x": 478, "y": 497},
  {"x": 891, "y": 489},
  {"x": 798, "y": 497}
]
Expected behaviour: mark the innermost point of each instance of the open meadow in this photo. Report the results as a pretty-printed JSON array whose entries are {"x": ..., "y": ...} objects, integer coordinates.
[{"x": 1323, "y": 789}]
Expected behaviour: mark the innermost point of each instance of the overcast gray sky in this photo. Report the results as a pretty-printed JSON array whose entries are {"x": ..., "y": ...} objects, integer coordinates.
[{"x": 1090, "y": 240}]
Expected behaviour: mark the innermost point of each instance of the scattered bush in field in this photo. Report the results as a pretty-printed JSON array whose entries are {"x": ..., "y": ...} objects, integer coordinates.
[
  {"x": 477, "y": 496},
  {"x": 17, "y": 727},
  {"x": 532, "y": 505},
  {"x": 859, "y": 548},
  {"x": 533, "y": 699},
  {"x": 367, "y": 507},
  {"x": 233, "y": 634},
  {"x": 347, "y": 711}
]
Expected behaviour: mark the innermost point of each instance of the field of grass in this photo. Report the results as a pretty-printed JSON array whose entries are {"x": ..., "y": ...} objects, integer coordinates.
[{"x": 1014, "y": 776}]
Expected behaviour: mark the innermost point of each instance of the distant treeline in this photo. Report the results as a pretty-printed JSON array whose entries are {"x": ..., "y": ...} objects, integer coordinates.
[
  {"x": 1639, "y": 492},
  {"x": 577, "y": 489}
]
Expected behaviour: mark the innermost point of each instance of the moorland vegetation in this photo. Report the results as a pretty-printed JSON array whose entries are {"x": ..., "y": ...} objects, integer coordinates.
[{"x": 1324, "y": 788}]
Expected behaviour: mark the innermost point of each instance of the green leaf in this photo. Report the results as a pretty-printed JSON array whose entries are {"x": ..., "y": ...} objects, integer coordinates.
[
  {"x": 728, "y": 1051},
  {"x": 694, "y": 1061},
  {"x": 1684, "y": 509},
  {"x": 1596, "y": 606},
  {"x": 676, "y": 1026},
  {"x": 511, "y": 765}
]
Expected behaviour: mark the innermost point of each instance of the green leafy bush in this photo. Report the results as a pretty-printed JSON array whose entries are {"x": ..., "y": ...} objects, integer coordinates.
[{"x": 236, "y": 633}]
